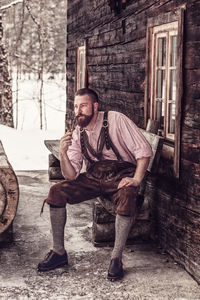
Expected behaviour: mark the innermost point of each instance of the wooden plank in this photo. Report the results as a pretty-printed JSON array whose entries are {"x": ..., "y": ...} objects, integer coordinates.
[
  {"x": 53, "y": 147},
  {"x": 179, "y": 93},
  {"x": 156, "y": 143}
]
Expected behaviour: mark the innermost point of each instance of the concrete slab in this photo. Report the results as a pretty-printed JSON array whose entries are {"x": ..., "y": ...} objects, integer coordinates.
[{"x": 149, "y": 274}]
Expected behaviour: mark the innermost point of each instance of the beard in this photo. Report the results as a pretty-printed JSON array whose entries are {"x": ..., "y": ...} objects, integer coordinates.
[{"x": 84, "y": 120}]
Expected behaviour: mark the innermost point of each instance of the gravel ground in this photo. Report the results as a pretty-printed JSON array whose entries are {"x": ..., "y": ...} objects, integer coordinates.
[{"x": 149, "y": 274}]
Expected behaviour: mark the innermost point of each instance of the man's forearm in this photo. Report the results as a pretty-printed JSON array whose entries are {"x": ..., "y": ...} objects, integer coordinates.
[
  {"x": 142, "y": 165},
  {"x": 67, "y": 169}
]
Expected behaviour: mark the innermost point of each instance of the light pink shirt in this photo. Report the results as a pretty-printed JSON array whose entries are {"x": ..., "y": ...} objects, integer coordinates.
[{"x": 125, "y": 135}]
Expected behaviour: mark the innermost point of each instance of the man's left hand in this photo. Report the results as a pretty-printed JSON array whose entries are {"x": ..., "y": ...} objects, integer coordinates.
[{"x": 128, "y": 181}]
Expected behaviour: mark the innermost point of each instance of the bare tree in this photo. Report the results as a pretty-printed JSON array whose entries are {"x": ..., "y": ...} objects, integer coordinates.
[
  {"x": 36, "y": 43},
  {"x": 17, "y": 55}
]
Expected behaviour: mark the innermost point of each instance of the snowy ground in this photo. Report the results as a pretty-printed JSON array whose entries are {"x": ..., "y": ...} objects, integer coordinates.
[
  {"x": 24, "y": 146},
  {"x": 25, "y": 149}
]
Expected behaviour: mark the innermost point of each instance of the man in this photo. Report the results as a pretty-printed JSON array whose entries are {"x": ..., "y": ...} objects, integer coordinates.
[{"x": 116, "y": 156}]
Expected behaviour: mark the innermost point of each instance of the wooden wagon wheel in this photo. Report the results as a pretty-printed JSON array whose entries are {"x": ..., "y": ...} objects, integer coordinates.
[{"x": 9, "y": 192}]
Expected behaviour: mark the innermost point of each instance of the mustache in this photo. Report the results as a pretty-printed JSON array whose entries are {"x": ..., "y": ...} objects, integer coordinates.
[{"x": 80, "y": 115}]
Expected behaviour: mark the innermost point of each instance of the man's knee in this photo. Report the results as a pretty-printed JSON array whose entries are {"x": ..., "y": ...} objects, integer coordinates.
[
  {"x": 56, "y": 196},
  {"x": 54, "y": 191}
]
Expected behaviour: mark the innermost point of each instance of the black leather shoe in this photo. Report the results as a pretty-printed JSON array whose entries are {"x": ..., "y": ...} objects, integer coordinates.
[
  {"x": 52, "y": 261},
  {"x": 115, "y": 270}
]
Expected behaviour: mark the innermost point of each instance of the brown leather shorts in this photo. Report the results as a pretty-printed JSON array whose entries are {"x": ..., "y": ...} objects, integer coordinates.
[{"x": 101, "y": 179}]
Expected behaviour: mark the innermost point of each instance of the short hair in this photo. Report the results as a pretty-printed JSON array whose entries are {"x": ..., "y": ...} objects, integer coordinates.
[{"x": 86, "y": 91}]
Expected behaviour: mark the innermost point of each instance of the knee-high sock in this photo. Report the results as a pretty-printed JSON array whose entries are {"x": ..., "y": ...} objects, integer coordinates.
[
  {"x": 58, "y": 217},
  {"x": 122, "y": 228}
]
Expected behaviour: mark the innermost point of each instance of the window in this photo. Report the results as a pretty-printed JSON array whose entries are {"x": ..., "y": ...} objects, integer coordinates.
[
  {"x": 81, "y": 67},
  {"x": 163, "y": 89}
]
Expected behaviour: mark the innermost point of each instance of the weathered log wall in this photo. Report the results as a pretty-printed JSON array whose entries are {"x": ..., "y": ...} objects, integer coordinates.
[
  {"x": 116, "y": 51},
  {"x": 6, "y": 111}
]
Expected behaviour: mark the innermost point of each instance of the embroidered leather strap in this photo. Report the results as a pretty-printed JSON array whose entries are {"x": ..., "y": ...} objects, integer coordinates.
[
  {"x": 108, "y": 141},
  {"x": 103, "y": 139}
]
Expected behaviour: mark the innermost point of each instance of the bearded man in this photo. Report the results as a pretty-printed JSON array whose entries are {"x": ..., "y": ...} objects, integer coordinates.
[{"x": 116, "y": 157}]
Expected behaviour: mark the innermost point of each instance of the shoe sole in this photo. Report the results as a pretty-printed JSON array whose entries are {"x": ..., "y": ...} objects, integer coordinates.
[
  {"x": 52, "y": 268},
  {"x": 112, "y": 278}
]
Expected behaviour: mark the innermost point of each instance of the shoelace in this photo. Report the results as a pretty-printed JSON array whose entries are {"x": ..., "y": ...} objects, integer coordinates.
[{"x": 42, "y": 208}]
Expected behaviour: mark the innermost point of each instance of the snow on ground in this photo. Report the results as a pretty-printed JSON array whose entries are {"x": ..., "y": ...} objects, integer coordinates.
[
  {"x": 24, "y": 146},
  {"x": 25, "y": 149}
]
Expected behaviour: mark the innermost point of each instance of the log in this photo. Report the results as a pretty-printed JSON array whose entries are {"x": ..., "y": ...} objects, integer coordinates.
[
  {"x": 9, "y": 192},
  {"x": 104, "y": 212},
  {"x": 53, "y": 161},
  {"x": 54, "y": 170},
  {"x": 55, "y": 173},
  {"x": 105, "y": 233},
  {"x": 103, "y": 227}
]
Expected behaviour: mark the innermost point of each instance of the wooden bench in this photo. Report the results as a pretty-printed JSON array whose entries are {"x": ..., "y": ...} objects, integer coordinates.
[
  {"x": 54, "y": 170},
  {"x": 103, "y": 229},
  {"x": 9, "y": 196}
]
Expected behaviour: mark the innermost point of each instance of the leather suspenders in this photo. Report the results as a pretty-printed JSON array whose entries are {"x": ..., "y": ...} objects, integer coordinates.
[{"x": 104, "y": 139}]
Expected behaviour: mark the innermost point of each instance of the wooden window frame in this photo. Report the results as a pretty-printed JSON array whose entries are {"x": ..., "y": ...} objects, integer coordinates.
[
  {"x": 81, "y": 67},
  {"x": 164, "y": 19},
  {"x": 162, "y": 31}
]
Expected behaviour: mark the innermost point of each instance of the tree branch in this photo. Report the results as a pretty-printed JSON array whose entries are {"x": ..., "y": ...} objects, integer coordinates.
[{"x": 10, "y": 4}]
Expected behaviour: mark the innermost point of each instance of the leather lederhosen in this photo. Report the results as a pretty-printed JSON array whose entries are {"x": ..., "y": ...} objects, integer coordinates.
[{"x": 101, "y": 178}]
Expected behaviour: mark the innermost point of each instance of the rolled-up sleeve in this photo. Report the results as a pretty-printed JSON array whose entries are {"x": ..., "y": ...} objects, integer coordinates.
[{"x": 134, "y": 139}]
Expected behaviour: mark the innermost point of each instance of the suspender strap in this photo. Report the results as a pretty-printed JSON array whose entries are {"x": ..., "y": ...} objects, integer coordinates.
[
  {"x": 103, "y": 139},
  {"x": 108, "y": 141},
  {"x": 83, "y": 137}
]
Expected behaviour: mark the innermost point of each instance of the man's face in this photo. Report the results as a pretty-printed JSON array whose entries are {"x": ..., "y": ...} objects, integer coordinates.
[{"x": 84, "y": 110}]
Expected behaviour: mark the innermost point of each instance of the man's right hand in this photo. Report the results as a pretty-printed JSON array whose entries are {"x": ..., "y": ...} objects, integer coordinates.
[
  {"x": 65, "y": 142},
  {"x": 67, "y": 169}
]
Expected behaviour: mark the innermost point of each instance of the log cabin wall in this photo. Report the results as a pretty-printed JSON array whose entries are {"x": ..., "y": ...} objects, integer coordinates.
[
  {"x": 6, "y": 111},
  {"x": 116, "y": 62}
]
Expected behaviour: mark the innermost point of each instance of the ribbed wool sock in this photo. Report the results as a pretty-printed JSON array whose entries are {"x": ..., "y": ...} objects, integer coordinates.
[
  {"x": 58, "y": 217},
  {"x": 122, "y": 228}
]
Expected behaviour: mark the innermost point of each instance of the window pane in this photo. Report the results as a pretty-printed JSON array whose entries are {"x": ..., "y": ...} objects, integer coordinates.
[
  {"x": 160, "y": 113},
  {"x": 161, "y": 55},
  {"x": 160, "y": 85},
  {"x": 173, "y": 51},
  {"x": 82, "y": 67},
  {"x": 172, "y": 85},
  {"x": 171, "y": 121}
]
